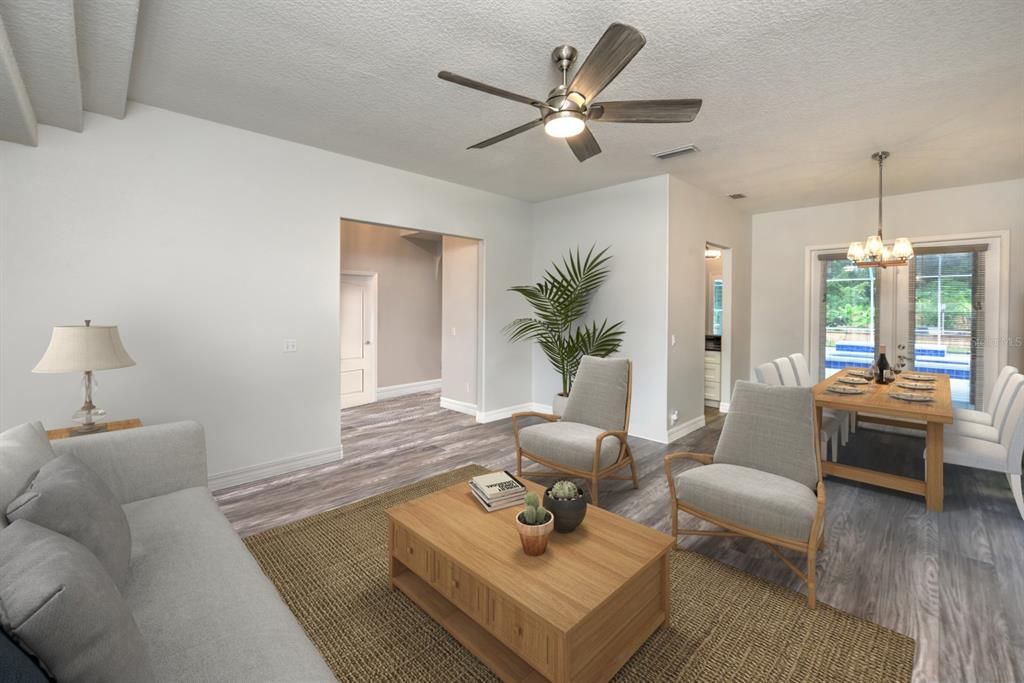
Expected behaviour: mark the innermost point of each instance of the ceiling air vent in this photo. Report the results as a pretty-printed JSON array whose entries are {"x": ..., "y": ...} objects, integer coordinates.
[
  {"x": 677, "y": 152},
  {"x": 738, "y": 195}
]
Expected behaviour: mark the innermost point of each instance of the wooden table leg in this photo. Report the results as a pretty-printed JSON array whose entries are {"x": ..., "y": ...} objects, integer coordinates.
[{"x": 933, "y": 467}]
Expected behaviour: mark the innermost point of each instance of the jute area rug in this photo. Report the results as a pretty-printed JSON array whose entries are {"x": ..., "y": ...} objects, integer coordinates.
[{"x": 727, "y": 625}]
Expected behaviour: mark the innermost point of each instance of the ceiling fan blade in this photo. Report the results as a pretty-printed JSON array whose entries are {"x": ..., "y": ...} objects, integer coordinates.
[
  {"x": 646, "y": 111},
  {"x": 584, "y": 145},
  {"x": 507, "y": 134},
  {"x": 489, "y": 89},
  {"x": 613, "y": 52}
]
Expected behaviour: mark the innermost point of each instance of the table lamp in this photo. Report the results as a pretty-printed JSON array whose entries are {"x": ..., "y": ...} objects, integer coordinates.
[{"x": 85, "y": 348}]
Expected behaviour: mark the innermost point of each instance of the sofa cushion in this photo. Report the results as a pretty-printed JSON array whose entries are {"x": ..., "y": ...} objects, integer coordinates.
[
  {"x": 69, "y": 498},
  {"x": 204, "y": 606},
  {"x": 569, "y": 443},
  {"x": 23, "y": 450},
  {"x": 750, "y": 498},
  {"x": 59, "y": 603}
]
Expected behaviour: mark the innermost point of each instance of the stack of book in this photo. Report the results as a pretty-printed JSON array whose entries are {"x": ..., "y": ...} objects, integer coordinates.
[{"x": 497, "y": 490}]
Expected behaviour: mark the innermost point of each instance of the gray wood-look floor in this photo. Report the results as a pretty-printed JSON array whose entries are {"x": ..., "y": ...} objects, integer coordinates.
[{"x": 954, "y": 580}]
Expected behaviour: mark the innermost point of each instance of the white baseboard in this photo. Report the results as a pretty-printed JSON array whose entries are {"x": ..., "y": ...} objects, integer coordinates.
[
  {"x": 505, "y": 413},
  {"x": 683, "y": 428},
  {"x": 244, "y": 475},
  {"x": 459, "y": 406},
  {"x": 396, "y": 390}
]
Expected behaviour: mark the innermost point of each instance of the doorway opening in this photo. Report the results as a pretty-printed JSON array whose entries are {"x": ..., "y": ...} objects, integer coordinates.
[
  {"x": 717, "y": 329},
  {"x": 410, "y": 316}
]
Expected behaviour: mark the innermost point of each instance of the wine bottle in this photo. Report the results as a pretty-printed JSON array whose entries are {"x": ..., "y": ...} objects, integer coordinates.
[{"x": 883, "y": 365}]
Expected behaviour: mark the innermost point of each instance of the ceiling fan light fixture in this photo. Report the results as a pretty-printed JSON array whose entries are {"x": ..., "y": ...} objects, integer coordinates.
[{"x": 564, "y": 124}]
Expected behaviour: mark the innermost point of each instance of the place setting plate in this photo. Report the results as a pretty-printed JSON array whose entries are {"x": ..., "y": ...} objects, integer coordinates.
[
  {"x": 916, "y": 386},
  {"x": 918, "y": 378},
  {"x": 911, "y": 397},
  {"x": 840, "y": 389},
  {"x": 861, "y": 373},
  {"x": 853, "y": 380}
]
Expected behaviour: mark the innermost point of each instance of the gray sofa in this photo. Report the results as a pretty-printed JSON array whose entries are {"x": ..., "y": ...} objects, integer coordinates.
[{"x": 204, "y": 607}]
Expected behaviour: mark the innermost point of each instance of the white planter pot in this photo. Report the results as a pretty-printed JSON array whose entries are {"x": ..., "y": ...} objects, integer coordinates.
[{"x": 558, "y": 404}]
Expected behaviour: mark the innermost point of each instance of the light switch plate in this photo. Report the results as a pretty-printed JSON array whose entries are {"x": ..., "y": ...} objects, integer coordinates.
[{"x": 291, "y": 345}]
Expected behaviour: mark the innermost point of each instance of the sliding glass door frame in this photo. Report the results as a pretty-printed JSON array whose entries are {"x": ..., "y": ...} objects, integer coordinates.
[{"x": 894, "y": 311}]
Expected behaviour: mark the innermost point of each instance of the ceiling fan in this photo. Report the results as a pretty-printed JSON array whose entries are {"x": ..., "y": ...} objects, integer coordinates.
[{"x": 568, "y": 107}]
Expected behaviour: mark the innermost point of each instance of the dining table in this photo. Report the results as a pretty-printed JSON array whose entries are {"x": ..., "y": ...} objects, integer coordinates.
[{"x": 913, "y": 400}]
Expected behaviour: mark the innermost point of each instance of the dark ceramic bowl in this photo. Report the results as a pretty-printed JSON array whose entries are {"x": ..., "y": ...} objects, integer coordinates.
[{"x": 568, "y": 514}]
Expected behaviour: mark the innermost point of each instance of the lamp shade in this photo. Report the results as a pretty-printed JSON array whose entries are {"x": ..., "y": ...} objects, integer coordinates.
[{"x": 78, "y": 348}]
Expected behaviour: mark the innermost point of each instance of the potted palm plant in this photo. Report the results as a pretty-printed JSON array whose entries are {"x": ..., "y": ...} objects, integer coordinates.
[{"x": 560, "y": 301}]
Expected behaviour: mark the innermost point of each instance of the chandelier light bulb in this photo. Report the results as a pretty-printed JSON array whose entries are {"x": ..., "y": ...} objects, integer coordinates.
[
  {"x": 873, "y": 246},
  {"x": 903, "y": 249},
  {"x": 856, "y": 251}
]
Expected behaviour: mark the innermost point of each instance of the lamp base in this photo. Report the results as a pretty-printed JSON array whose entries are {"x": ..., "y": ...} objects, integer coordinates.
[{"x": 91, "y": 428}]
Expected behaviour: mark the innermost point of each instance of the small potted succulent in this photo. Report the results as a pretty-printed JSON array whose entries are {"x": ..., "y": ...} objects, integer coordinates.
[
  {"x": 534, "y": 524},
  {"x": 568, "y": 502}
]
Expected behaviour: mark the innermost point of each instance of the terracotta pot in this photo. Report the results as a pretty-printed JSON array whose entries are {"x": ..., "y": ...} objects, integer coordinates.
[
  {"x": 558, "y": 404},
  {"x": 534, "y": 537},
  {"x": 568, "y": 514}
]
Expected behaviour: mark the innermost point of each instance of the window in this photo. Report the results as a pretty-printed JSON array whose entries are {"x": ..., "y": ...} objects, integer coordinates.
[
  {"x": 716, "y": 307},
  {"x": 849, "y": 316},
  {"x": 946, "y": 304}
]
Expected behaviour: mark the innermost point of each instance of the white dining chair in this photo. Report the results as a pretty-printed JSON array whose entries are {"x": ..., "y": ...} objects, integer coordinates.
[
  {"x": 985, "y": 417},
  {"x": 787, "y": 372},
  {"x": 768, "y": 373},
  {"x": 847, "y": 421},
  {"x": 1003, "y": 455},
  {"x": 991, "y": 430}
]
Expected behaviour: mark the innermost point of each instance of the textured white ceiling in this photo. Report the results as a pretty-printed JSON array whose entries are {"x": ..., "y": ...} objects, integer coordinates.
[
  {"x": 17, "y": 120},
  {"x": 106, "y": 40},
  {"x": 797, "y": 93},
  {"x": 42, "y": 35}
]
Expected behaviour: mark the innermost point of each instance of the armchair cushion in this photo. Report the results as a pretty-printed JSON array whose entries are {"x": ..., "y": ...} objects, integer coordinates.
[
  {"x": 750, "y": 498},
  {"x": 771, "y": 429},
  {"x": 598, "y": 395},
  {"x": 569, "y": 443}
]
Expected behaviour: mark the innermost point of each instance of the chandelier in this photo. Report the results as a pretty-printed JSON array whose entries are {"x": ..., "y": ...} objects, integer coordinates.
[{"x": 874, "y": 252}]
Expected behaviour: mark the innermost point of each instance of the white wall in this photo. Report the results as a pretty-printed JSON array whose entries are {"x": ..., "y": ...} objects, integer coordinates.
[
  {"x": 632, "y": 219},
  {"x": 695, "y": 218},
  {"x": 408, "y": 299},
  {"x": 780, "y": 238},
  {"x": 209, "y": 245},
  {"x": 460, "y": 320}
]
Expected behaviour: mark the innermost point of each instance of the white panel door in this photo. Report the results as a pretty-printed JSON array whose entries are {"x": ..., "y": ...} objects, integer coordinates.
[{"x": 358, "y": 317}]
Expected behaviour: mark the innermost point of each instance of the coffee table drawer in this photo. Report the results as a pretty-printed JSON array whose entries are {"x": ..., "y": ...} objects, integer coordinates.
[
  {"x": 529, "y": 637},
  {"x": 413, "y": 553}
]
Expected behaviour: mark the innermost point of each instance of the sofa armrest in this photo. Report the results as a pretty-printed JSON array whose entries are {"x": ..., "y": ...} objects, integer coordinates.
[{"x": 143, "y": 462}]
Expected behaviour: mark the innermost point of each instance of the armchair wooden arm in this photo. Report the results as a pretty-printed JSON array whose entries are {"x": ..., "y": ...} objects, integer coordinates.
[
  {"x": 619, "y": 434},
  {"x": 702, "y": 458}
]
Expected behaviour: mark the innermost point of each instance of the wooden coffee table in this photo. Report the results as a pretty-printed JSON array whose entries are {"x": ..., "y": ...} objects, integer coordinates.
[{"x": 575, "y": 613}]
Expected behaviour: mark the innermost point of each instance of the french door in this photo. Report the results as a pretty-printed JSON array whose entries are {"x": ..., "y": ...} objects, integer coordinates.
[{"x": 936, "y": 315}]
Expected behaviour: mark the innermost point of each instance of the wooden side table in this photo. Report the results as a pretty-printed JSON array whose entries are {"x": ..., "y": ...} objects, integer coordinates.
[{"x": 65, "y": 432}]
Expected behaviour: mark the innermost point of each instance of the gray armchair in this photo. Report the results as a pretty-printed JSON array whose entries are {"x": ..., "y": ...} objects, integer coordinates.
[
  {"x": 764, "y": 480},
  {"x": 590, "y": 440}
]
